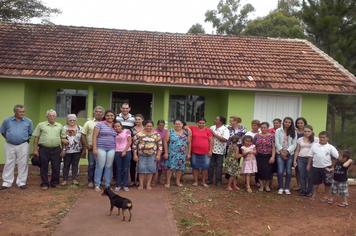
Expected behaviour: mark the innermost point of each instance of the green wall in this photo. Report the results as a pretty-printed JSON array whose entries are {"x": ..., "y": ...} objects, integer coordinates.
[
  {"x": 11, "y": 93},
  {"x": 241, "y": 103},
  {"x": 32, "y": 100},
  {"x": 314, "y": 110}
]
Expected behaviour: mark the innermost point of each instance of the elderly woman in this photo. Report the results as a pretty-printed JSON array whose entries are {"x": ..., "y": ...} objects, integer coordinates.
[
  {"x": 72, "y": 141},
  {"x": 138, "y": 127},
  {"x": 147, "y": 149},
  {"x": 177, "y": 142},
  {"x": 265, "y": 156},
  {"x": 104, "y": 149},
  {"x": 161, "y": 163}
]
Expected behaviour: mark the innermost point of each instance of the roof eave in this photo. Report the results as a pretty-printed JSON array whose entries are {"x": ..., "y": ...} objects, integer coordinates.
[{"x": 172, "y": 85}]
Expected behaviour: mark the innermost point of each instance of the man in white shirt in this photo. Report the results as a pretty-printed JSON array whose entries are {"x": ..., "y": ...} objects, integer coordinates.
[
  {"x": 220, "y": 136},
  {"x": 321, "y": 164},
  {"x": 126, "y": 119}
]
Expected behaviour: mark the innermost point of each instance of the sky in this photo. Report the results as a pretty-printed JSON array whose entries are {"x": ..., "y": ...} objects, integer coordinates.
[{"x": 175, "y": 16}]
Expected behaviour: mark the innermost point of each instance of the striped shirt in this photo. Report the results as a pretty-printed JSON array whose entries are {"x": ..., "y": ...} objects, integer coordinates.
[
  {"x": 127, "y": 122},
  {"x": 106, "y": 136}
]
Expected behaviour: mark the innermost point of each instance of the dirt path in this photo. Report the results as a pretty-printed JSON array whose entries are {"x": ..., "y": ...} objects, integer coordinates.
[{"x": 89, "y": 216}]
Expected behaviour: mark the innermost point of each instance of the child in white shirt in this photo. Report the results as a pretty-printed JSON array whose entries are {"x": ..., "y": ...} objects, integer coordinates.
[{"x": 321, "y": 164}]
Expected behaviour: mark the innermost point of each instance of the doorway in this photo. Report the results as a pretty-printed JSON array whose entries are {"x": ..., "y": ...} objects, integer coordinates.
[{"x": 140, "y": 103}]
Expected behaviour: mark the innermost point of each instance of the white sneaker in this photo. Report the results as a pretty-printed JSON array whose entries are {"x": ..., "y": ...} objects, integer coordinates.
[
  {"x": 126, "y": 189},
  {"x": 280, "y": 191},
  {"x": 286, "y": 191},
  {"x": 97, "y": 189},
  {"x": 117, "y": 189}
]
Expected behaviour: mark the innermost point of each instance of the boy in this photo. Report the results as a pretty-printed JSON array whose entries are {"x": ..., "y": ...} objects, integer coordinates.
[
  {"x": 339, "y": 184},
  {"x": 321, "y": 164}
]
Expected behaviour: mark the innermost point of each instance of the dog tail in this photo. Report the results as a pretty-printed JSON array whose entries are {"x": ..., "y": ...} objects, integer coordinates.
[{"x": 129, "y": 205}]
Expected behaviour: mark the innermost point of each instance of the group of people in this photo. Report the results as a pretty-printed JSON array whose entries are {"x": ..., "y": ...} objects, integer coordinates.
[{"x": 123, "y": 147}]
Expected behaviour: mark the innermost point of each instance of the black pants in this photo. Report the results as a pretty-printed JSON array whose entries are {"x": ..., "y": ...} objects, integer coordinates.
[
  {"x": 50, "y": 155},
  {"x": 215, "y": 169},
  {"x": 71, "y": 160},
  {"x": 133, "y": 176}
]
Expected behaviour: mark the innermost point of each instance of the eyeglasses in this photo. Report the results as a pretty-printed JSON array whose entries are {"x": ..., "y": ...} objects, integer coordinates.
[{"x": 72, "y": 120}]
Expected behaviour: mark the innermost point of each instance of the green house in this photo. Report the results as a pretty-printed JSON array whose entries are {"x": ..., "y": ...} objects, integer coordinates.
[{"x": 164, "y": 75}]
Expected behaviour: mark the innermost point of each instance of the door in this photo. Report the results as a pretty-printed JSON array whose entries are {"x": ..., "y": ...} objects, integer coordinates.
[{"x": 140, "y": 103}]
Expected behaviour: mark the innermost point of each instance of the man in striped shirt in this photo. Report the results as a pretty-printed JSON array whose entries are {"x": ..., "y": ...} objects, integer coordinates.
[{"x": 127, "y": 120}]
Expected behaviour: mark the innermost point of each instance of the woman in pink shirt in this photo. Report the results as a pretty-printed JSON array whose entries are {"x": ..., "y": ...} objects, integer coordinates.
[{"x": 122, "y": 157}]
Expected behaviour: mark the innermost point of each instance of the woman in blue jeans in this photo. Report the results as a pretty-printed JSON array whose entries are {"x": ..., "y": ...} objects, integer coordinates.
[
  {"x": 104, "y": 149},
  {"x": 286, "y": 142},
  {"x": 301, "y": 158}
]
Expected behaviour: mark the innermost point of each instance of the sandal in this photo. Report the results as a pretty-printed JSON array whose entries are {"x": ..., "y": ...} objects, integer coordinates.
[{"x": 343, "y": 204}]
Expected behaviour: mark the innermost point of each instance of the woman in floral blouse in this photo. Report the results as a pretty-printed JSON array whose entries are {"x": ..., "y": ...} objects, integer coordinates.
[
  {"x": 147, "y": 150},
  {"x": 265, "y": 156}
]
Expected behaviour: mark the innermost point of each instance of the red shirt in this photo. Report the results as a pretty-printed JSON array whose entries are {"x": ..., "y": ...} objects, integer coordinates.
[
  {"x": 200, "y": 140},
  {"x": 272, "y": 131}
]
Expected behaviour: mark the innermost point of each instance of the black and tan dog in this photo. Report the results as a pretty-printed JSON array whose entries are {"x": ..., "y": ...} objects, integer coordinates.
[{"x": 119, "y": 202}]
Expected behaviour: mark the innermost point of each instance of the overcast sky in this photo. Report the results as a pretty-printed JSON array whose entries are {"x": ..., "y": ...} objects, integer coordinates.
[{"x": 152, "y": 15}]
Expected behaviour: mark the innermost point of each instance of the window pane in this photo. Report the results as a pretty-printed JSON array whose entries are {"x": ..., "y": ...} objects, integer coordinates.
[
  {"x": 71, "y": 101},
  {"x": 195, "y": 108},
  {"x": 177, "y": 107},
  {"x": 186, "y": 108}
]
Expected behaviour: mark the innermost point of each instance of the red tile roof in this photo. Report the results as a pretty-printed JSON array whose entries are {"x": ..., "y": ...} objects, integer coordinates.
[{"x": 210, "y": 61}]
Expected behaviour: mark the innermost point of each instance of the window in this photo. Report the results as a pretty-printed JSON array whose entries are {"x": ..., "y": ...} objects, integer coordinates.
[
  {"x": 268, "y": 107},
  {"x": 71, "y": 101},
  {"x": 186, "y": 108}
]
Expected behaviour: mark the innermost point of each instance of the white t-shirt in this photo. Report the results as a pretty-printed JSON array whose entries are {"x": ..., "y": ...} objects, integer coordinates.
[
  {"x": 304, "y": 150},
  {"x": 219, "y": 147},
  {"x": 250, "y": 133},
  {"x": 322, "y": 154}
]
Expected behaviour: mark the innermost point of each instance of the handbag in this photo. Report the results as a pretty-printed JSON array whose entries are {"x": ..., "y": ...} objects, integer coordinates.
[{"x": 35, "y": 160}]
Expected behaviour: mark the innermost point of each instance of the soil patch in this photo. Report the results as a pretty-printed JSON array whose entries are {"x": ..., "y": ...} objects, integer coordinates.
[{"x": 214, "y": 211}]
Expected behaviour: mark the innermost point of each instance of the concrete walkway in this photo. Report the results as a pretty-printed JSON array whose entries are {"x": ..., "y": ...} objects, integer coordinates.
[{"x": 151, "y": 215}]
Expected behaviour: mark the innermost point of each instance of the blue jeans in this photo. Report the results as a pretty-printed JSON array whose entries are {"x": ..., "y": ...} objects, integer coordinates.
[
  {"x": 122, "y": 165},
  {"x": 306, "y": 185},
  {"x": 284, "y": 166},
  {"x": 91, "y": 167},
  {"x": 104, "y": 163}
]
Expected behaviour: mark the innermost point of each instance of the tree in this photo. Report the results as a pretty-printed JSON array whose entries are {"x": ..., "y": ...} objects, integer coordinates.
[
  {"x": 276, "y": 24},
  {"x": 227, "y": 19},
  {"x": 288, "y": 7},
  {"x": 24, "y": 10},
  {"x": 331, "y": 25},
  {"x": 196, "y": 29}
]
